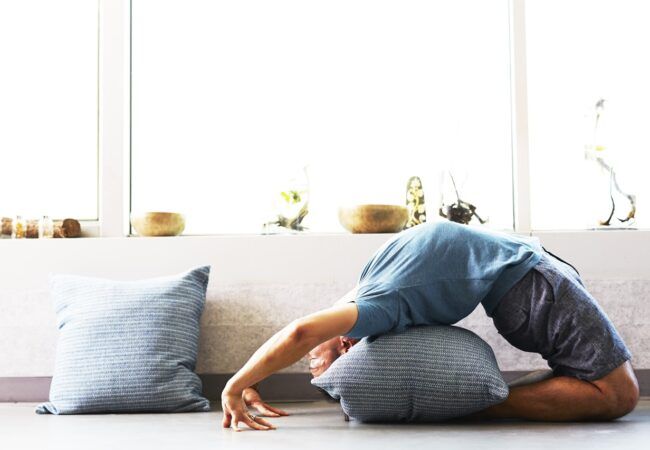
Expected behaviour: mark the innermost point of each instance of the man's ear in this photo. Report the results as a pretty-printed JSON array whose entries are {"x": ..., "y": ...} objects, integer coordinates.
[{"x": 346, "y": 344}]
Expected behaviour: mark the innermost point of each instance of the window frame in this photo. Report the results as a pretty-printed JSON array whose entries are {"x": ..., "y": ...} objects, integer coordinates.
[
  {"x": 114, "y": 120},
  {"x": 92, "y": 225},
  {"x": 115, "y": 124}
]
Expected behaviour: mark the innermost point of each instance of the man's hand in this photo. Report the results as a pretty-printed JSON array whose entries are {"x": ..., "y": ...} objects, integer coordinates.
[
  {"x": 252, "y": 399},
  {"x": 236, "y": 412},
  {"x": 284, "y": 348}
]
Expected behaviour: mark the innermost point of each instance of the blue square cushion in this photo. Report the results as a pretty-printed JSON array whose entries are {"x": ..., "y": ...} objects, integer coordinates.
[
  {"x": 423, "y": 374},
  {"x": 127, "y": 346}
]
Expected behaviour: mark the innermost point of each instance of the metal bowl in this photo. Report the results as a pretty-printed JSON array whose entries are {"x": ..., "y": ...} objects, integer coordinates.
[
  {"x": 158, "y": 223},
  {"x": 373, "y": 218}
]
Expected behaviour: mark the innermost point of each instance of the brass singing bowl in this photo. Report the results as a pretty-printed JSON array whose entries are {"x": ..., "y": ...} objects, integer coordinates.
[
  {"x": 373, "y": 218},
  {"x": 158, "y": 223}
]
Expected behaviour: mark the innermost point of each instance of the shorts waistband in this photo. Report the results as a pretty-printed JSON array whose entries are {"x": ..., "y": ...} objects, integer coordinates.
[{"x": 560, "y": 259}]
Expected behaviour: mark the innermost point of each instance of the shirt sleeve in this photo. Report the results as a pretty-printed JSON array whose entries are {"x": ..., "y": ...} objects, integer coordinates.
[{"x": 377, "y": 315}]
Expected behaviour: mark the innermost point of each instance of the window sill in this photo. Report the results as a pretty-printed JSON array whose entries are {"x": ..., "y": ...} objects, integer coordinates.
[
  {"x": 92, "y": 229},
  {"x": 604, "y": 254}
]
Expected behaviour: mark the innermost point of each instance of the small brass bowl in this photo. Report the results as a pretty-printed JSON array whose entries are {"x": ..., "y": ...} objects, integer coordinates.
[
  {"x": 158, "y": 223},
  {"x": 373, "y": 218}
]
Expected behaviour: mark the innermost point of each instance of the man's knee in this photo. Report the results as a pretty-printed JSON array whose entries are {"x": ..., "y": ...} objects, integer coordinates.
[
  {"x": 620, "y": 390},
  {"x": 623, "y": 401}
]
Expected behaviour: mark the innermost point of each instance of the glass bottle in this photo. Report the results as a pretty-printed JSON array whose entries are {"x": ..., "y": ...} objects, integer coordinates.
[
  {"x": 46, "y": 229},
  {"x": 19, "y": 227}
]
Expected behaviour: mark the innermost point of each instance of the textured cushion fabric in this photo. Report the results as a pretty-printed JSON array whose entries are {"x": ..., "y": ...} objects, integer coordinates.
[
  {"x": 423, "y": 374},
  {"x": 127, "y": 346}
]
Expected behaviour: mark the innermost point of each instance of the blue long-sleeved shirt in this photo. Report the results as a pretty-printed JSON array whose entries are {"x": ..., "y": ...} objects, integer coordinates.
[{"x": 437, "y": 274}]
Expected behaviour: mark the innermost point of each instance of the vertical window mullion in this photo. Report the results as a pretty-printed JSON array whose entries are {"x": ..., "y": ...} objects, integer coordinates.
[
  {"x": 520, "y": 153},
  {"x": 113, "y": 116}
]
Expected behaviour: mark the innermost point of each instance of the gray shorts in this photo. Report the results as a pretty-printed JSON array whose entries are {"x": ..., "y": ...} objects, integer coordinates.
[{"x": 550, "y": 312}]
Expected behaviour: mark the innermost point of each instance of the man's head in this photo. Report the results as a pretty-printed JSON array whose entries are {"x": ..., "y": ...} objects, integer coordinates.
[{"x": 322, "y": 356}]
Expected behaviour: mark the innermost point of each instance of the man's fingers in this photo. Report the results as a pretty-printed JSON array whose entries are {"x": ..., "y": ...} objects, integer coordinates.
[
  {"x": 227, "y": 418},
  {"x": 253, "y": 424},
  {"x": 264, "y": 422},
  {"x": 278, "y": 411},
  {"x": 282, "y": 412},
  {"x": 257, "y": 424},
  {"x": 232, "y": 419},
  {"x": 268, "y": 410},
  {"x": 264, "y": 409}
]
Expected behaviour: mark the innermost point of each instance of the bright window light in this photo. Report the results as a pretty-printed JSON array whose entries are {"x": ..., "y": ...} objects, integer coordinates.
[
  {"x": 48, "y": 108},
  {"x": 231, "y": 99},
  {"x": 579, "y": 52}
]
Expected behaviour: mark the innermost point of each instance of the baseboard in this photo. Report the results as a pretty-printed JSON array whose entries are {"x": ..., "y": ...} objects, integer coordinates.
[
  {"x": 278, "y": 387},
  {"x": 24, "y": 389}
]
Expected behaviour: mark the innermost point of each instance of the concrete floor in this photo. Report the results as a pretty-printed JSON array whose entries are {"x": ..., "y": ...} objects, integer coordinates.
[{"x": 317, "y": 425}]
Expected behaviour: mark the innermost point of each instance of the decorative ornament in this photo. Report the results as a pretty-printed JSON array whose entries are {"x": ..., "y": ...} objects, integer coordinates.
[
  {"x": 598, "y": 152},
  {"x": 292, "y": 204},
  {"x": 415, "y": 202},
  {"x": 460, "y": 211}
]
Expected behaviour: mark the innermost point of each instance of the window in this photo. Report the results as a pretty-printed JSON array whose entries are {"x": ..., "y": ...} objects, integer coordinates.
[
  {"x": 231, "y": 100},
  {"x": 580, "y": 52},
  {"x": 48, "y": 108}
]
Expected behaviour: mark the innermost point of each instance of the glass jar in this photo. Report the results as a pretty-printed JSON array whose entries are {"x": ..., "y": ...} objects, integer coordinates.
[
  {"x": 6, "y": 228},
  {"x": 31, "y": 229}
]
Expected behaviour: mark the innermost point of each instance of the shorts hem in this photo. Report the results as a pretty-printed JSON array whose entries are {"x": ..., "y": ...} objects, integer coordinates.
[{"x": 619, "y": 360}]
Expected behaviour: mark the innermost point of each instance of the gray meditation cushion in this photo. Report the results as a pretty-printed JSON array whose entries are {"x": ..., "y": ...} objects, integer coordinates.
[
  {"x": 423, "y": 374},
  {"x": 127, "y": 346}
]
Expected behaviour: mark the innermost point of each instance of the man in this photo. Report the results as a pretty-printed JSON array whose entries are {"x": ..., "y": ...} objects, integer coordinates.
[{"x": 436, "y": 274}]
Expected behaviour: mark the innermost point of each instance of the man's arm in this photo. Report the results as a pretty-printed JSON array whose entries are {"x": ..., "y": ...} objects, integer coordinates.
[{"x": 283, "y": 349}]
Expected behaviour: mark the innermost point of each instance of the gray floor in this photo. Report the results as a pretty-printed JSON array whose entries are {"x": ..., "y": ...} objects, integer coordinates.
[{"x": 312, "y": 426}]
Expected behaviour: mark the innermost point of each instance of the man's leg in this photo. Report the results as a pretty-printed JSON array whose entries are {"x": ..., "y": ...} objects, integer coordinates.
[
  {"x": 550, "y": 312},
  {"x": 532, "y": 377},
  {"x": 570, "y": 399}
]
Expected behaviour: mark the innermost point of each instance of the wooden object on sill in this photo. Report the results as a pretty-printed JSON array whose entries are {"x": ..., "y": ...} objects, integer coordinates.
[
  {"x": 158, "y": 223},
  {"x": 68, "y": 228},
  {"x": 373, "y": 218}
]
